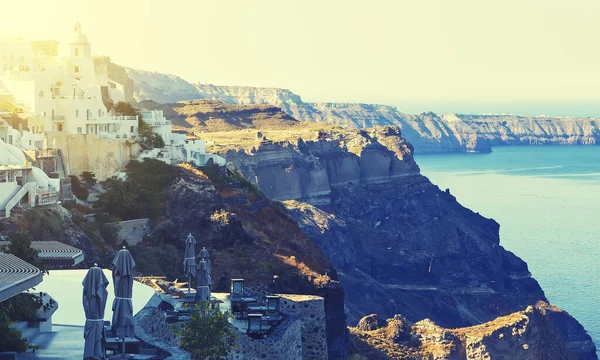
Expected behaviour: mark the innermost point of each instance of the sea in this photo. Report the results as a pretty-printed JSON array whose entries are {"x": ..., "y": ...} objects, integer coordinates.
[{"x": 547, "y": 202}]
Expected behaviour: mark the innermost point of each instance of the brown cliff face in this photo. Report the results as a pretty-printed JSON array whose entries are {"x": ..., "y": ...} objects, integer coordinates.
[
  {"x": 308, "y": 170},
  {"x": 252, "y": 238},
  {"x": 524, "y": 335}
]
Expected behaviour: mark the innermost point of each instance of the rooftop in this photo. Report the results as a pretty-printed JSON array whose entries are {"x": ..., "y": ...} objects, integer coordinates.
[
  {"x": 55, "y": 252},
  {"x": 16, "y": 276}
]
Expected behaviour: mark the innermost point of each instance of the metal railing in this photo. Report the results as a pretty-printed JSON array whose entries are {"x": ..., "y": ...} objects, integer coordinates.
[{"x": 46, "y": 153}]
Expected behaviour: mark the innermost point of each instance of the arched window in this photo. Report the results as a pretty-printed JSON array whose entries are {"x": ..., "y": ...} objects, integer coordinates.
[{"x": 41, "y": 94}]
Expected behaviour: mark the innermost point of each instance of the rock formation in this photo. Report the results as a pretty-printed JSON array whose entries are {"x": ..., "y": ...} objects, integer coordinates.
[{"x": 524, "y": 335}]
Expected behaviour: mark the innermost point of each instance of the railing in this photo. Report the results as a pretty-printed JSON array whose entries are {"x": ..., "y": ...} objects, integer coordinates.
[
  {"x": 46, "y": 153},
  {"x": 157, "y": 122},
  {"x": 47, "y": 198},
  {"x": 58, "y": 118},
  {"x": 24, "y": 190},
  {"x": 113, "y": 118}
]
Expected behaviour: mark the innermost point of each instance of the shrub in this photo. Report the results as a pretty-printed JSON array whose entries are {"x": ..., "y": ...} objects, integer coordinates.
[
  {"x": 208, "y": 335},
  {"x": 142, "y": 194}
]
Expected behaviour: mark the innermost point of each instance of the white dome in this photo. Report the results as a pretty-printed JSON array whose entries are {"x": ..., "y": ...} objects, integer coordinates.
[
  {"x": 77, "y": 37},
  {"x": 11, "y": 155}
]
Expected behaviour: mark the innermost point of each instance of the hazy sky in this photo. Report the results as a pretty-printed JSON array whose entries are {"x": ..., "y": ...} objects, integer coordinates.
[{"x": 527, "y": 56}]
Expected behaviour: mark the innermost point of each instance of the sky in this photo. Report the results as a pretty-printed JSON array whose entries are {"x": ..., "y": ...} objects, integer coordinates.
[{"x": 515, "y": 56}]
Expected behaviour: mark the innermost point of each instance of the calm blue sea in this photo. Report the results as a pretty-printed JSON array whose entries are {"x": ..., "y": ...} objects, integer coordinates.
[{"x": 547, "y": 201}]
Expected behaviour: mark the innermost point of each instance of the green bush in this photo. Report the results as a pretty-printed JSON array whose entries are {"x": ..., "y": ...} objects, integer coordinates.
[
  {"x": 10, "y": 339},
  {"x": 22, "y": 307},
  {"x": 142, "y": 194},
  {"x": 208, "y": 335}
]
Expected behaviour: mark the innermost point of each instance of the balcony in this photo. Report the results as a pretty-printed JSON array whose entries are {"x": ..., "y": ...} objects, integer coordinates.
[
  {"x": 157, "y": 122},
  {"x": 58, "y": 118},
  {"x": 110, "y": 119},
  {"x": 46, "y": 153}
]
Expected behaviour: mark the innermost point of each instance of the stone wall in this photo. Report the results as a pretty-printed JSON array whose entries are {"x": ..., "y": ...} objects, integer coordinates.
[
  {"x": 152, "y": 328},
  {"x": 84, "y": 152},
  {"x": 285, "y": 342},
  {"x": 311, "y": 312}
]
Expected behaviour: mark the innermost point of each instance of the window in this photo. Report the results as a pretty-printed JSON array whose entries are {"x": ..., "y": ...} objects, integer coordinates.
[
  {"x": 76, "y": 69},
  {"x": 76, "y": 113},
  {"x": 99, "y": 112},
  {"x": 79, "y": 130},
  {"x": 76, "y": 52},
  {"x": 41, "y": 94},
  {"x": 131, "y": 129}
]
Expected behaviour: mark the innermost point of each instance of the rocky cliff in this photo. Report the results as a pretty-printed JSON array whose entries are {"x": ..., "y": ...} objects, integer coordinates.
[
  {"x": 310, "y": 170},
  {"x": 428, "y": 132},
  {"x": 398, "y": 242},
  {"x": 524, "y": 335},
  {"x": 249, "y": 237}
]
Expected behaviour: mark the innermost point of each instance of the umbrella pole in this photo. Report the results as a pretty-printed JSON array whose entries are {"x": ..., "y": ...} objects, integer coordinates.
[
  {"x": 123, "y": 346},
  {"x": 189, "y": 283}
]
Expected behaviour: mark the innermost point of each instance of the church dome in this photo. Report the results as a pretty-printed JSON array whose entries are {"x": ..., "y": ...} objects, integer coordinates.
[{"x": 77, "y": 37}]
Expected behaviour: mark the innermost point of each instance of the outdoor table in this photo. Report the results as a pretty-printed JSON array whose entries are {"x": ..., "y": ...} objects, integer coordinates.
[{"x": 131, "y": 344}]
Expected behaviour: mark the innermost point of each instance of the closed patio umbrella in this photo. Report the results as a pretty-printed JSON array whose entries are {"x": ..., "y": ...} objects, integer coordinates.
[
  {"x": 204, "y": 282},
  {"x": 204, "y": 255},
  {"x": 122, "y": 320},
  {"x": 94, "y": 303},
  {"x": 189, "y": 263}
]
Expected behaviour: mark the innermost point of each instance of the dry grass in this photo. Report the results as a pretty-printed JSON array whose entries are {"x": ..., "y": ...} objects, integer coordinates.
[{"x": 222, "y": 141}]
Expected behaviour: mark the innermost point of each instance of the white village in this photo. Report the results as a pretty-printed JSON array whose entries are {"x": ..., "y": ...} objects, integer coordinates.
[{"x": 57, "y": 118}]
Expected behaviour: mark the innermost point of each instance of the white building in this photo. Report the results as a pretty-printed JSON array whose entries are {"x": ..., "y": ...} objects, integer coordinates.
[
  {"x": 195, "y": 151},
  {"x": 64, "y": 91},
  {"x": 21, "y": 183},
  {"x": 159, "y": 124}
]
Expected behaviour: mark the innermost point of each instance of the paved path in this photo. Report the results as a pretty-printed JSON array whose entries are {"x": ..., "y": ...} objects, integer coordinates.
[{"x": 64, "y": 342}]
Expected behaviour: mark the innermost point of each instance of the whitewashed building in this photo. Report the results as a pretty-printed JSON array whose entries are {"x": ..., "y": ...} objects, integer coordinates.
[
  {"x": 21, "y": 183},
  {"x": 159, "y": 124},
  {"x": 66, "y": 92}
]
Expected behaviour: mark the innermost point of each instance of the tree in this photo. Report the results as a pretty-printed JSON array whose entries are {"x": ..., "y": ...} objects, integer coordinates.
[
  {"x": 123, "y": 108},
  {"x": 208, "y": 335},
  {"x": 142, "y": 194},
  {"x": 147, "y": 138},
  {"x": 80, "y": 191},
  {"x": 88, "y": 177}
]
